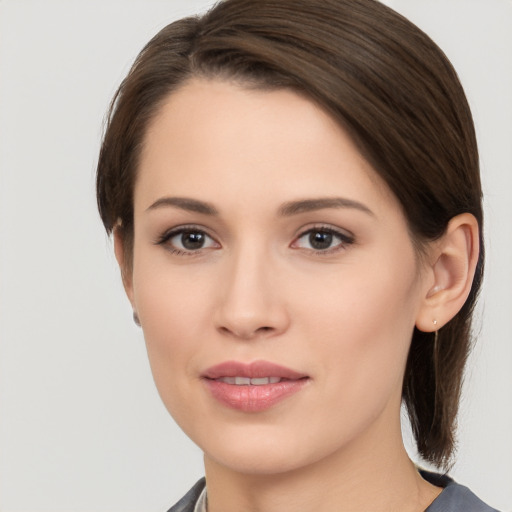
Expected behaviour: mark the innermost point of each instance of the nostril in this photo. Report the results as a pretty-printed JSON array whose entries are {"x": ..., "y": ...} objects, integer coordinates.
[{"x": 245, "y": 334}]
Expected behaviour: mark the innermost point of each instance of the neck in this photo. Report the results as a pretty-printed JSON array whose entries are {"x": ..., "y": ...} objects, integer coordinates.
[{"x": 370, "y": 474}]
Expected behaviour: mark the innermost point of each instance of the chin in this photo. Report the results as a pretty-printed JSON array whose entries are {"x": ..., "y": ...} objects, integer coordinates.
[
  {"x": 253, "y": 460},
  {"x": 264, "y": 451}
]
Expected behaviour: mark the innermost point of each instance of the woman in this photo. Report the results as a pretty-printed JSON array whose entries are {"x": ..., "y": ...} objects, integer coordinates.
[{"x": 294, "y": 194}]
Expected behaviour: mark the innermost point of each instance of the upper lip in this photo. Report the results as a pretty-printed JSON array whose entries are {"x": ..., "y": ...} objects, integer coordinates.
[{"x": 254, "y": 370}]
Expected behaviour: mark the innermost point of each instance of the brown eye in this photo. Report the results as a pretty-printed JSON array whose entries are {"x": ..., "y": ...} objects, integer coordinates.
[
  {"x": 192, "y": 240},
  {"x": 320, "y": 240},
  {"x": 323, "y": 240},
  {"x": 187, "y": 240}
]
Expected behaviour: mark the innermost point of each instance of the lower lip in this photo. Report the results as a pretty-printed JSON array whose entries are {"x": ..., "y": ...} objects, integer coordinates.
[{"x": 253, "y": 398}]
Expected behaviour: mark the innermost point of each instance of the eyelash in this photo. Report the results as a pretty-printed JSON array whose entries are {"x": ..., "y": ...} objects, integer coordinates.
[
  {"x": 168, "y": 235},
  {"x": 344, "y": 240}
]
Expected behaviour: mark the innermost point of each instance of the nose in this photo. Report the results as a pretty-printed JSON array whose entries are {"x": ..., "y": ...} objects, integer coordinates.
[{"x": 251, "y": 303}]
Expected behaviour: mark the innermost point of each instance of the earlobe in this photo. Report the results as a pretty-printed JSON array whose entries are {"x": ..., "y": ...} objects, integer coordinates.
[
  {"x": 119, "y": 250},
  {"x": 453, "y": 266}
]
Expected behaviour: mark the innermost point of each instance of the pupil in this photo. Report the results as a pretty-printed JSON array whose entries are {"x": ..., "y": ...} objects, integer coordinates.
[
  {"x": 192, "y": 240},
  {"x": 320, "y": 240}
]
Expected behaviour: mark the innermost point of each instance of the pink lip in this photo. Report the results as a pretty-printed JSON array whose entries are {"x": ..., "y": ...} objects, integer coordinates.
[
  {"x": 252, "y": 398},
  {"x": 253, "y": 370}
]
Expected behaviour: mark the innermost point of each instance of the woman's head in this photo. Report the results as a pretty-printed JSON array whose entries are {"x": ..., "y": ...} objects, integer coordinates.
[{"x": 383, "y": 82}]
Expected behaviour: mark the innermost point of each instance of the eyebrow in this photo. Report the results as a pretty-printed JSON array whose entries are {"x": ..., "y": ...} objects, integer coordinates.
[
  {"x": 185, "y": 203},
  {"x": 286, "y": 210},
  {"x": 308, "y": 205}
]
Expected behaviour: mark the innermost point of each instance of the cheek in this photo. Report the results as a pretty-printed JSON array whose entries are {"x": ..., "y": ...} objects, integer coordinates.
[
  {"x": 361, "y": 325},
  {"x": 171, "y": 299},
  {"x": 174, "y": 310}
]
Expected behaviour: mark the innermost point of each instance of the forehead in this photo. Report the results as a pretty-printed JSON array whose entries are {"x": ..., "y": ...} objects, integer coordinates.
[{"x": 250, "y": 143}]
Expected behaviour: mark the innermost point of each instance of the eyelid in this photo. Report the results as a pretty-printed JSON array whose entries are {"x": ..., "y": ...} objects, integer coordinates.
[
  {"x": 346, "y": 237},
  {"x": 324, "y": 226},
  {"x": 177, "y": 230}
]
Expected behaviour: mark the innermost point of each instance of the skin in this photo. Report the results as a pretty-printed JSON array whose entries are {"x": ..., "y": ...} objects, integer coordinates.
[{"x": 258, "y": 290}]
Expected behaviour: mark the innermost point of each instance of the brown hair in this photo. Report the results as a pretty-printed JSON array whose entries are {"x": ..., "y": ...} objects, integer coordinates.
[{"x": 381, "y": 78}]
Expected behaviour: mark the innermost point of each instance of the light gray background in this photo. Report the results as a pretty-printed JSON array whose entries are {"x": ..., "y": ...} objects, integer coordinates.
[{"x": 81, "y": 426}]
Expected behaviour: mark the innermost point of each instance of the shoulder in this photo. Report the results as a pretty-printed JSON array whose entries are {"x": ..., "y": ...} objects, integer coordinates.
[
  {"x": 188, "y": 502},
  {"x": 454, "y": 497}
]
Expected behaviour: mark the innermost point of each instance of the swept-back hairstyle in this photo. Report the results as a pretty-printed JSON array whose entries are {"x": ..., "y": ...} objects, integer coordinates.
[{"x": 378, "y": 76}]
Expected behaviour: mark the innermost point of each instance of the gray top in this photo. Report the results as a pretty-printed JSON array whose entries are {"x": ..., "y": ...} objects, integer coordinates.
[{"x": 453, "y": 498}]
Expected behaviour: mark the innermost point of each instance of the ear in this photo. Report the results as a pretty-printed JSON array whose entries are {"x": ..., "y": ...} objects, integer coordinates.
[
  {"x": 452, "y": 267},
  {"x": 122, "y": 259}
]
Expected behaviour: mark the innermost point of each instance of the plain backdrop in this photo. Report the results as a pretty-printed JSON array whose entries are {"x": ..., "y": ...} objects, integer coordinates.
[{"x": 81, "y": 425}]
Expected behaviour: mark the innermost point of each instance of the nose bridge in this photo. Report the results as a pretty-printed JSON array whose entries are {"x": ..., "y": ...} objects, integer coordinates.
[{"x": 250, "y": 302}]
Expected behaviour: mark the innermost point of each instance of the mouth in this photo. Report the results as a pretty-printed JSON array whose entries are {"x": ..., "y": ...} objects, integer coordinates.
[
  {"x": 247, "y": 381},
  {"x": 252, "y": 387}
]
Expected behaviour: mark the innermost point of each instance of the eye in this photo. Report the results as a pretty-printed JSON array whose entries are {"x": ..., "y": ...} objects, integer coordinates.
[
  {"x": 187, "y": 240},
  {"x": 323, "y": 240}
]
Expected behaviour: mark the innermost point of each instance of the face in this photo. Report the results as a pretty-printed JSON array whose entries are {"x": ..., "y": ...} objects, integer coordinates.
[{"x": 274, "y": 278}]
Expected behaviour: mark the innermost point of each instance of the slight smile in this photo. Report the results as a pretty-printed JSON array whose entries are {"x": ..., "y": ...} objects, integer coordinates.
[{"x": 252, "y": 387}]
